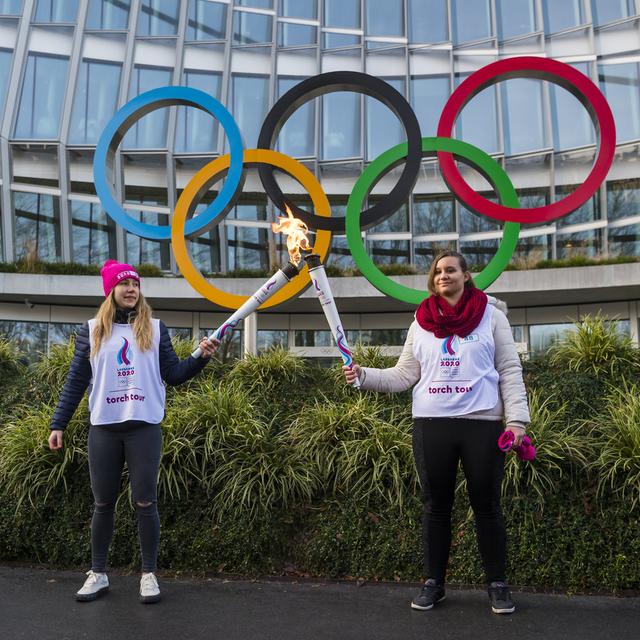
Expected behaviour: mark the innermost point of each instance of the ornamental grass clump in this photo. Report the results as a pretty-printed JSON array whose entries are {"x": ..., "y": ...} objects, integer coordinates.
[
  {"x": 358, "y": 447},
  {"x": 275, "y": 370},
  {"x": 51, "y": 371},
  {"x": 617, "y": 433},
  {"x": 196, "y": 422},
  {"x": 29, "y": 470},
  {"x": 11, "y": 361},
  {"x": 561, "y": 450},
  {"x": 597, "y": 348}
]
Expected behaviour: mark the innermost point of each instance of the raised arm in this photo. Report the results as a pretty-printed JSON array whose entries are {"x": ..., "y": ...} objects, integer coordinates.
[{"x": 400, "y": 377}]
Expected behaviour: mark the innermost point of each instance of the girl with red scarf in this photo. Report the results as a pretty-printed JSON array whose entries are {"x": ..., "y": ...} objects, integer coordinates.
[{"x": 461, "y": 357}]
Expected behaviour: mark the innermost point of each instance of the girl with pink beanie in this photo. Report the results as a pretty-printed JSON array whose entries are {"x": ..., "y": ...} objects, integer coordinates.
[{"x": 124, "y": 356}]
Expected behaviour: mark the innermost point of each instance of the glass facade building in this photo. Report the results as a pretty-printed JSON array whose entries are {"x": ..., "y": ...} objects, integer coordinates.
[{"x": 66, "y": 66}]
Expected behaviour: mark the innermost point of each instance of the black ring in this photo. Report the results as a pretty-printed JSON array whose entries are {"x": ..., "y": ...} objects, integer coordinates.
[{"x": 328, "y": 83}]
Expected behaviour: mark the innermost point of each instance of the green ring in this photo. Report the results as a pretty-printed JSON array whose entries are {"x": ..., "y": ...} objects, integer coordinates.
[{"x": 387, "y": 161}]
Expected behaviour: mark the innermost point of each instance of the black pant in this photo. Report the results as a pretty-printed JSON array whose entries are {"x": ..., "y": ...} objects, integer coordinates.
[
  {"x": 438, "y": 445},
  {"x": 140, "y": 445}
]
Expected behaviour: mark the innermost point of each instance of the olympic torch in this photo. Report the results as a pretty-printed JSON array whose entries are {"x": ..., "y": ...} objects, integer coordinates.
[
  {"x": 323, "y": 291},
  {"x": 296, "y": 232},
  {"x": 280, "y": 278}
]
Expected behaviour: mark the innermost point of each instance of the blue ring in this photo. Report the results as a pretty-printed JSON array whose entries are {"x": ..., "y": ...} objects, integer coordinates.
[{"x": 128, "y": 115}]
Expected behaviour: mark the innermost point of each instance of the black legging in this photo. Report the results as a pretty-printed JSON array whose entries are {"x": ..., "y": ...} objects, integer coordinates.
[
  {"x": 140, "y": 445},
  {"x": 438, "y": 445}
]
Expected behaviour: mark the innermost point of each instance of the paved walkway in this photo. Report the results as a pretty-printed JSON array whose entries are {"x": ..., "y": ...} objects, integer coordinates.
[{"x": 39, "y": 605}]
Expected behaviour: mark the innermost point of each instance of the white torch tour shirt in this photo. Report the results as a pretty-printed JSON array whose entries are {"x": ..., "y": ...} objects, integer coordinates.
[{"x": 126, "y": 382}]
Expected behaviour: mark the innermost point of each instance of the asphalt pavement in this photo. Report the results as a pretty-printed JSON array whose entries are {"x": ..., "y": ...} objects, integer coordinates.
[{"x": 38, "y": 604}]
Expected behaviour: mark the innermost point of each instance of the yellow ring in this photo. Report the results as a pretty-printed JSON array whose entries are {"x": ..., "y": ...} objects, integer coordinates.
[{"x": 208, "y": 174}]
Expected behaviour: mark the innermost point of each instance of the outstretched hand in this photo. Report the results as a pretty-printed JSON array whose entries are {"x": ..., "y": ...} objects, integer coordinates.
[
  {"x": 208, "y": 347},
  {"x": 351, "y": 373}
]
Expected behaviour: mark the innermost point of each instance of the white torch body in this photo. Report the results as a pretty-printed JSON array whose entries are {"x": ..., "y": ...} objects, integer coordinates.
[{"x": 320, "y": 284}]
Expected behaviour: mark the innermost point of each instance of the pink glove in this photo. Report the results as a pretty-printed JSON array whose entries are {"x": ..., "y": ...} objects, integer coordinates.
[{"x": 525, "y": 452}]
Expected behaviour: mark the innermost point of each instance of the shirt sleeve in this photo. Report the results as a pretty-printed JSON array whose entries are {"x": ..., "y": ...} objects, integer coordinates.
[
  {"x": 173, "y": 370},
  {"x": 400, "y": 377},
  {"x": 78, "y": 379},
  {"x": 509, "y": 368}
]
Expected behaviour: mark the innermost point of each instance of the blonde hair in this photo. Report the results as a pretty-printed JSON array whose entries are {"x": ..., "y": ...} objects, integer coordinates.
[
  {"x": 469, "y": 284},
  {"x": 142, "y": 329}
]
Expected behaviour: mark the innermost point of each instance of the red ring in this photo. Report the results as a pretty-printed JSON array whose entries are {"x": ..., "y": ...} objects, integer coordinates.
[{"x": 544, "y": 69}]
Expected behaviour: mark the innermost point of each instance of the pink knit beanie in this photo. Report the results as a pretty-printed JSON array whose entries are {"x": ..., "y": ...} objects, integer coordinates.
[{"x": 113, "y": 272}]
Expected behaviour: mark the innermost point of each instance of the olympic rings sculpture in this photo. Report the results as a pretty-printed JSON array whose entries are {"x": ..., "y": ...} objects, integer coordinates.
[{"x": 410, "y": 153}]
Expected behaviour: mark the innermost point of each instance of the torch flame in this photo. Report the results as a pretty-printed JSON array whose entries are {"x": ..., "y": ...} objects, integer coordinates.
[{"x": 296, "y": 232}]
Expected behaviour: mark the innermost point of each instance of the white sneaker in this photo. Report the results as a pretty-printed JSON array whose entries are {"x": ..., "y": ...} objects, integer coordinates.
[
  {"x": 96, "y": 584},
  {"x": 149, "y": 590}
]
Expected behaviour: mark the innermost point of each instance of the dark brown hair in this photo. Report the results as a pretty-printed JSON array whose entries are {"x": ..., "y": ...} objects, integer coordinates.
[{"x": 432, "y": 270}]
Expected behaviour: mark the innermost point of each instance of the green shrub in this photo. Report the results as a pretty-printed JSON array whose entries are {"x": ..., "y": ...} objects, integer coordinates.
[
  {"x": 596, "y": 347},
  {"x": 617, "y": 433}
]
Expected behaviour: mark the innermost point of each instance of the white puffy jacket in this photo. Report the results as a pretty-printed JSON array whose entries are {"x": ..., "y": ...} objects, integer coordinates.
[{"x": 512, "y": 397}]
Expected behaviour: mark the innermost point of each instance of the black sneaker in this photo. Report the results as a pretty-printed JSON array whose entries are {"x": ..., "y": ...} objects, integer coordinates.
[
  {"x": 431, "y": 594},
  {"x": 500, "y": 597}
]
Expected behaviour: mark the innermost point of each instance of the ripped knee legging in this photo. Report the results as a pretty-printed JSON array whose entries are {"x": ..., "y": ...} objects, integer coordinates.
[{"x": 139, "y": 444}]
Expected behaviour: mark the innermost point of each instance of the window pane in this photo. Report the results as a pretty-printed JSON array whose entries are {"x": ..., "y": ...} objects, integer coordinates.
[
  {"x": 337, "y": 40},
  {"x": 479, "y": 252},
  {"x": 471, "y": 20},
  {"x": 385, "y": 17},
  {"x": 272, "y": 339},
  {"x": 588, "y": 212},
  {"x": 251, "y": 28},
  {"x": 515, "y": 17},
  {"x": 389, "y": 251},
  {"x": 384, "y": 129},
  {"x": 197, "y": 129},
  {"x": 296, "y": 138},
  {"x": 425, "y": 252},
  {"x": 542, "y": 336},
  {"x": 10, "y": 7},
  {"x": 299, "y": 9},
  {"x": 95, "y": 100},
  {"x": 141, "y": 251},
  {"x": 585, "y": 243},
  {"x": 428, "y": 97},
  {"x": 158, "y": 18},
  {"x": 342, "y": 13},
  {"x": 433, "y": 214},
  {"x": 56, "y": 11},
  {"x": 207, "y": 20},
  {"x": 43, "y": 90},
  {"x": 608, "y": 10},
  {"x": 477, "y": 123},
  {"x": 397, "y": 222},
  {"x": 523, "y": 119},
  {"x": 561, "y": 14},
  {"x": 108, "y": 14},
  {"x": 382, "y": 337},
  {"x": 250, "y": 95},
  {"x": 620, "y": 84},
  {"x": 623, "y": 199},
  {"x": 427, "y": 21},
  {"x": 313, "y": 338},
  {"x": 149, "y": 132},
  {"x": 340, "y": 255},
  {"x": 256, "y": 4},
  {"x": 31, "y": 337},
  {"x": 6, "y": 56},
  {"x": 248, "y": 248},
  {"x": 294, "y": 35},
  {"x": 37, "y": 226},
  {"x": 625, "y": 241},
  {"x": 572, "y": 126},
  {"x": 94, "y": 239},
  {"x": 341, "y": 125},
  {"x": 532, "y": 250},
  {"x": 475, "y": 223},
  {"x": 61, "y": 332}
]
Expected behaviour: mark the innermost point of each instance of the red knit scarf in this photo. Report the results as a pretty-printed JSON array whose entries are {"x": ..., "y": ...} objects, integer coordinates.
[{"x": 436, "y": 315}]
